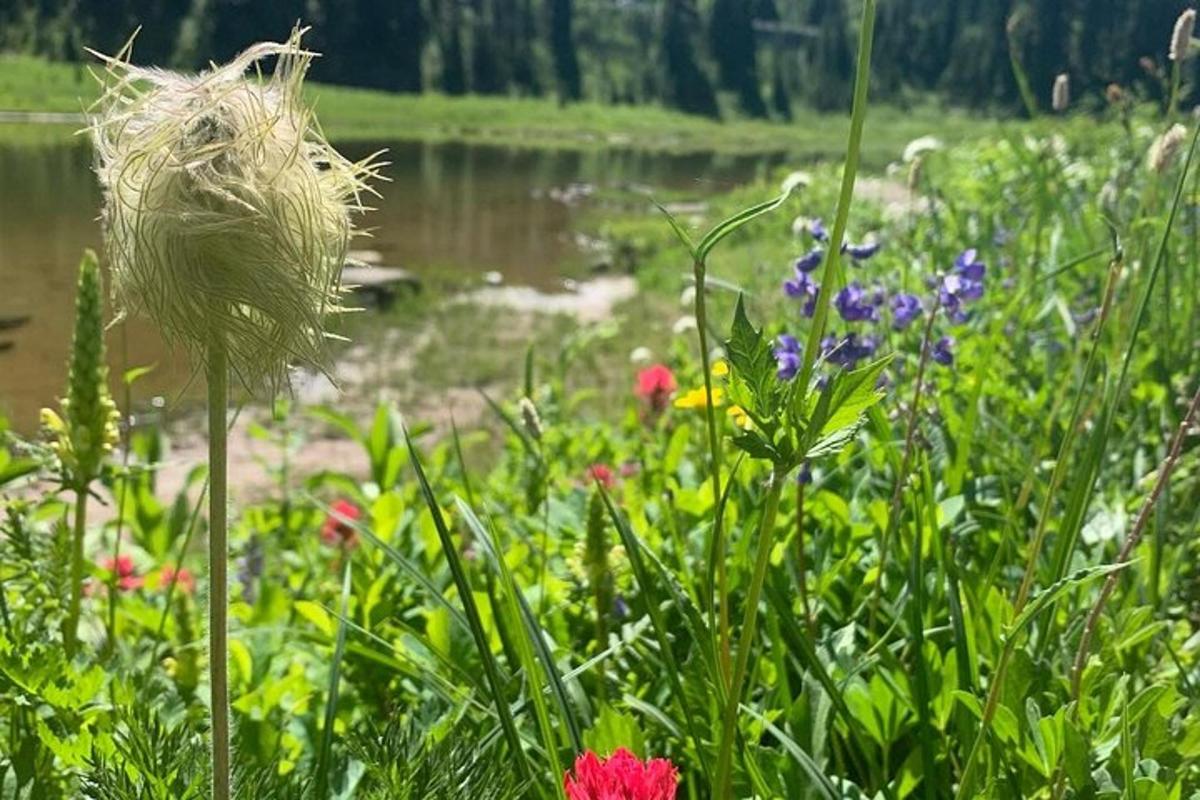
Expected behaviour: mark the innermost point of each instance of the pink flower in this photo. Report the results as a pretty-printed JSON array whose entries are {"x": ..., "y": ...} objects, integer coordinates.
[
  {"x": 655, "y": 385},
  {"x": 338, "y": 529},
  {"x": 602, "y": 474},
  {"x": 122, "y": 567},
  {"x": 623, "y": 776},
  {"x": 182, "y": 577}
]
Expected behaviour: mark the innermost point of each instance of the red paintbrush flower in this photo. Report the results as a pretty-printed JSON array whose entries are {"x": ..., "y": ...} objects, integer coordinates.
[
  {"x": 338, "y": 529},
  {"x": 622, "y": 776},
  {"x": 182, "y": 577},
  {"x": 122, "y": 567},
  {"x": 655, "y": 385},
  {"x": 602, "y": 474}
]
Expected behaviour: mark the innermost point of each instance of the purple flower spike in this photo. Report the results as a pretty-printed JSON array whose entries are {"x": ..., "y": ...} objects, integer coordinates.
[
  {"x": 787, "y": 357},
  {"x": 905, "y": 309},
  {"x": 943, "y": 351},
  {"x": 855, "y": 305},
  {"x": 810, "y": 260},
  {"x": 969, "y": 266},
  {"x": 803, "y": 286},
  {"x": 861, "y": 252},
  {"x": 849, "y": 350},
  {"x": 818, "y": 230}
]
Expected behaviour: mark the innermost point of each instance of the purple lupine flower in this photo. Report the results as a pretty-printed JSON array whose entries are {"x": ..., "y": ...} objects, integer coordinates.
[
  {"x": 943, "y": 351},
  {"x": 969, "y": 266},
  {"x": 963, "y": 284},
  {"x": 810, "y": 260},
  {"x": 787, "y": 356},
  {"x": 803, "y": 286},
  {"x": 853, "y": 303},
  {"x": 818, "y": 230},
  {"x": 905, "y": 308},
  {"x": 804, "y": 476},
  {"x": 849, "y": 350},
  {"x": 861, "y": 252}
]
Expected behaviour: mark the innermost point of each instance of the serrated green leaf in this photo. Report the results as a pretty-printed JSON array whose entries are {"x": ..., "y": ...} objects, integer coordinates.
[
  {"x": 753, "y": 365},
  {"x": 754, "y": 445}
]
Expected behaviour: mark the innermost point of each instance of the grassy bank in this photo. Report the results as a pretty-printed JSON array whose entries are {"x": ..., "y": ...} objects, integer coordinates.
[{"x": 33, "y": 85}]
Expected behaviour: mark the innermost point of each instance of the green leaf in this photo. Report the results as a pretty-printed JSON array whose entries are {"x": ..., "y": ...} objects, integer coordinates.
[
  {"x": 821, "y": 784},
  {"x": 840, "y": 407},
  {"x": 132, "y": 375},
  {"x": 679, "y": 231},
  {"x": 753, "y": 365},
  {"x": 467, "y": 595},
  {"x": 756, "y": 446},
  {"x": 612, "y": 730},
  {"x": 1051, "y": 593},
  {"x": 731, "y": 224},
  {"x": 335, "y": 673}
]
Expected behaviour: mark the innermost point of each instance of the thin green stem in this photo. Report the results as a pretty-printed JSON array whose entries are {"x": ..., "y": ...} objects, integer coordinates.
[
  {"x": 71, "y": 624},
  {"x": 905, "y": 464},
  {"x": 218, "y": 547},
  {"x": 857, "y": 116},
  {"x": 810, "y": 622},
  {"x": 762, "y": 560},
  {"x": 717, "y": 551}
]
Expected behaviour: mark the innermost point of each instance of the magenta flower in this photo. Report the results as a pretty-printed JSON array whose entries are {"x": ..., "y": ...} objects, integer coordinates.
[{"x": 622, "y": 776}]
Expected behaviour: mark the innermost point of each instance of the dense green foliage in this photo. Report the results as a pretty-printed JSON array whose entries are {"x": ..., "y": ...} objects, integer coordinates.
[
  {"x": 918, "y": 524},
  {"x": 897, "y": 583},
  {"x": 673, "y": 51}
]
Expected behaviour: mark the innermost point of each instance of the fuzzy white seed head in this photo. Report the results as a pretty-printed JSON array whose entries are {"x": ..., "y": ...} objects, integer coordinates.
[
  {"x": 227, "y": 215},
  {"x": 1165, "y": 148},
  {"x": 1181, "y": 36},
  {"x": 1060, "y": 97}
]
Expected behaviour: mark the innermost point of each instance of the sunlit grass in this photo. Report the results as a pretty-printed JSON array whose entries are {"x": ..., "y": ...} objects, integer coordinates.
[{"x": 34, "y": 85}]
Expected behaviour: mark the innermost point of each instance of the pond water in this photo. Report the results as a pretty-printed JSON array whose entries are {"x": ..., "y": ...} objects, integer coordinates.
[{"x": 450, "y": 213}]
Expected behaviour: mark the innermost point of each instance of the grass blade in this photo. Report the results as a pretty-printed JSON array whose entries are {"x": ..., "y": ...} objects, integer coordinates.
[
  {"x": 335, "y": 674},
  {"x": 475, "y": 622}
]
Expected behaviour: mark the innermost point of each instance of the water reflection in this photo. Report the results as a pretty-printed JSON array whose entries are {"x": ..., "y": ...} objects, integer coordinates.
[{"x": 449, "y": 213}]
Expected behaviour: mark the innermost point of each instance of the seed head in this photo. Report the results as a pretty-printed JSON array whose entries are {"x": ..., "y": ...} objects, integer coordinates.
[
  {"x": 531, "y": 419},
  {"x": 1165, "y": 148},
  {"x": 1060, "y": 98},
  {"x": 226, "y": 213},
  {"x": 1181, "y": 36}
]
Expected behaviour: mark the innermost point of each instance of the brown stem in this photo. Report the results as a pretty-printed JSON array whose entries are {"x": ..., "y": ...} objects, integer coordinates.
[{"x": 1131, "y": 541}]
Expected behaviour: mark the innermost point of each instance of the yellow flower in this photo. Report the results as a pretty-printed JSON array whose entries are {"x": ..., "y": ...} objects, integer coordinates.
[
  {"x": 696, "y": 398},
  {"x": 740, "y": 417},
  {"x": 720, "y": 369}
]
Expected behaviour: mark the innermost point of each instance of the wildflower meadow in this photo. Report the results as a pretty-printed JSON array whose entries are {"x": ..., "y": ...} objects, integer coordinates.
[{"x": 878, "y": 479}]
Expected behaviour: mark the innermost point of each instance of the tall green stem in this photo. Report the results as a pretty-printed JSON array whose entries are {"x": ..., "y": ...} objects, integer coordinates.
[
  {"x": 71, "y": 625},
  {"x": 218, "y": 546},
  {"x": 762, "y": 560},
  {"x": 858, "y": 114},
  {"x": 717, "y": 551}
]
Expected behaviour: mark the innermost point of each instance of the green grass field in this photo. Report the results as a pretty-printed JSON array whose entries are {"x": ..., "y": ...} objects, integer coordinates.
[{"x": 34, "y": 85}]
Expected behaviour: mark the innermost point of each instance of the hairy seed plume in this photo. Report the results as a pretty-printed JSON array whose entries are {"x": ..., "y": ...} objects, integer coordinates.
[{"x": 227, "y": 215}]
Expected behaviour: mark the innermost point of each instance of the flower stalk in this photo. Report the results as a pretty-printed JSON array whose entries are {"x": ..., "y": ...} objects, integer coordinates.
[{"x": 218, "y": 556}]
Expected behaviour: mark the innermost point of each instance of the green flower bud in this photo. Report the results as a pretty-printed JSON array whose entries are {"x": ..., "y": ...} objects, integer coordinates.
[{"x": 86, "y": 431}]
